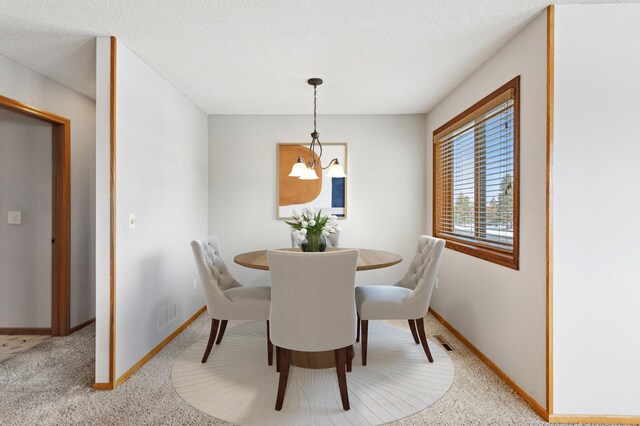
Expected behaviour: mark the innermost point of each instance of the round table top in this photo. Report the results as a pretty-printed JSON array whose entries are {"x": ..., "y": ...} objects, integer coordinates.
[{"x": 367, "y": 258}]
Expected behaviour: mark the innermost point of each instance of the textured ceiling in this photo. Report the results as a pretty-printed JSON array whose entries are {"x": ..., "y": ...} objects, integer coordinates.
[{"x": 254, "y": 57}]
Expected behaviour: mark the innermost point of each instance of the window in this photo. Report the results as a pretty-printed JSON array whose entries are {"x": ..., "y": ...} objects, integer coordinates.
[{"x": 476, "y": 178}]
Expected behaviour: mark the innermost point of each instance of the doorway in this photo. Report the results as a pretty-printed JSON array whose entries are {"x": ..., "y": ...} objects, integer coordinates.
[{"x": 61, "y": 217}]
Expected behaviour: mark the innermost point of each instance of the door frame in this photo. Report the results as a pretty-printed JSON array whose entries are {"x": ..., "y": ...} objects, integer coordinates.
[{"x": 61, "y": 212}]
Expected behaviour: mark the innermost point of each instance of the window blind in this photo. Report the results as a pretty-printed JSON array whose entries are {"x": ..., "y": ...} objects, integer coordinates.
[{"x": 474, "y": 187}]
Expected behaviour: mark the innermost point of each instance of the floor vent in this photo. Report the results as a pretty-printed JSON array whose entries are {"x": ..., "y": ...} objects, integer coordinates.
[{"x": 443, "y": 342}]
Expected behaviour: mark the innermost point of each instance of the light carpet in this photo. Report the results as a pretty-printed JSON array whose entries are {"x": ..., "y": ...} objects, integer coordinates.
[
  {"x": 238, "y": 386},
  {"x": 51, "y": 385}
]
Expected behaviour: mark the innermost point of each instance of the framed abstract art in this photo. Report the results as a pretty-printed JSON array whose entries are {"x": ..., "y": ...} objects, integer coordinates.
[{"x": 326, "y": 194}]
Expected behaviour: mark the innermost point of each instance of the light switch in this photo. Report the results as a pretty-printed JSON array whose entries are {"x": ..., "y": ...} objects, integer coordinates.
[
  {"x": 132, "y": 221},
  {"x": 14, "y": 218}
]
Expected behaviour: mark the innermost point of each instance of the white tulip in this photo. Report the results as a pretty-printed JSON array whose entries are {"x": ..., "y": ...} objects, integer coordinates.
[
  {"x": 299, "y": 219},
  {"x": 304, "y": 223},
  {"x": 312, "y": 222},
  {"x": 333, "y": 218},
  {"x": 303, "y": 231},
  {"x": 309, "y": 210},
  {"x": 301, "y": 237},
  {"x": 295, "y": 213}
]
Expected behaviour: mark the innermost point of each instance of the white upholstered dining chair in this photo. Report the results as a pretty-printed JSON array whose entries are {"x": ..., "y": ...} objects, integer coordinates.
[
  {"x": 408, "y": 299},
  {"x": 295, "y": 242},
  {"x": 226, "y": 298},
  {"x": 333, "y": 240},
  {"x": 313, "y": 309}
]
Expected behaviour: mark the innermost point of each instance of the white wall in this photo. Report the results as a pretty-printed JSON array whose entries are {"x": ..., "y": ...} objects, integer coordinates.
[
  {"x": 501, "y": 310},
  {"x": 595, "y": 205},
  {"x": 385, "y": 186},
  {"x": 102, "y": 206},
  {"x": 161, "y": 162},
  {"x": 25, "y": 249},
  {"x": 22, "y": 84}
]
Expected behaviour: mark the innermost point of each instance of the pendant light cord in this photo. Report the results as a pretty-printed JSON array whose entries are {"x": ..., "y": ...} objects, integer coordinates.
[{"x": 314, "y": 135}]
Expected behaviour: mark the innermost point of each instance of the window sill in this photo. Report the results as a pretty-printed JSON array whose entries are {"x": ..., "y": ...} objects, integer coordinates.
[{"x": 510, "y": 260}]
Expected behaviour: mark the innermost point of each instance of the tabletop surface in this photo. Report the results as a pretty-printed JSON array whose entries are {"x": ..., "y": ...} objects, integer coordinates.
[{"x": 367, "y": 258}]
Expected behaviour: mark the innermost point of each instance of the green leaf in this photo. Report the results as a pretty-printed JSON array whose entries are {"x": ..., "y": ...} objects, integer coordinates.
[{"x": 294, "y": 225}]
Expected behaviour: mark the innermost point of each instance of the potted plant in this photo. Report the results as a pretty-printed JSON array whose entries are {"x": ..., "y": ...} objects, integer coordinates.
[{"x": 312, "y": 229}]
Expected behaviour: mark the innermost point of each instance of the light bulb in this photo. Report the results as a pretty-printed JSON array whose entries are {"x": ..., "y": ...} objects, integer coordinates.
[
  {"x": 298, "y": 168},
  {"x": 309, "y": 174},
  {"x": 335, "y": 170}
]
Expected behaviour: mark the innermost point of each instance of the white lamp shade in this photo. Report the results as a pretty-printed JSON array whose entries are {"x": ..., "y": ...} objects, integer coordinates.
[
  {"x": 309, "y": 174},
  {"x": 298, "y": 169},
  {"x": 336, "y": 171}
]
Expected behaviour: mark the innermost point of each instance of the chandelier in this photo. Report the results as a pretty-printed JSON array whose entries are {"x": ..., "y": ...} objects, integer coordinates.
[{"x": 306, "y": 170}]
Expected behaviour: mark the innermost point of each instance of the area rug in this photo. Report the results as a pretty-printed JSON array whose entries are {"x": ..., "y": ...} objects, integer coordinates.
[{"x": 238, "y": 386}]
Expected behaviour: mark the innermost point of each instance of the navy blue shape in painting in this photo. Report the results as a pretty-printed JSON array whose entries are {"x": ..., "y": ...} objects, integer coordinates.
[{"x": 337, "y": 192}]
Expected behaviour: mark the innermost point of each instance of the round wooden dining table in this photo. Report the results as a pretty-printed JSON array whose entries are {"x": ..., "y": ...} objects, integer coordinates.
[{"x": 367, "y": 259}]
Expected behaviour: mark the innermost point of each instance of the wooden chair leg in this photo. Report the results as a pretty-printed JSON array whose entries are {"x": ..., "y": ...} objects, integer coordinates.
[
  {"x": 223, "y": 328},
  {"x": 358, "y": 330},
  {"x": 277, "y": 359},
  {"x": 365, "y": 332},
  {"x": 349, "y": 358},
  {"x": 423, "y": 338},
  {"x": 212, "y": 338},
  {"x": 269, "y": 346},
  {"x": 341, "y": 355},
  {"x": 283, "y": 360},
  {"x": 412, "y": 326}
]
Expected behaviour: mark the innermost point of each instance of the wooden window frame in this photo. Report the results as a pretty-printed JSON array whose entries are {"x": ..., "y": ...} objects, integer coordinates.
[{"x": 508, "y": 258}]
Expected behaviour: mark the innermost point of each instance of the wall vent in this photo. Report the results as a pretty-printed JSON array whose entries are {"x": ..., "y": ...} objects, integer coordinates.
[
  {"x": 443, "y": 342},
  {"x": 167, "y": 315}
]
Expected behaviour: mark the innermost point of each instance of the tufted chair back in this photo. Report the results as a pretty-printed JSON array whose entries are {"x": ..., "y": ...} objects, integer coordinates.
[
  {"x": 423, "y": 271},
  {"x": 333, "y": 240},
  {"x": 295, "y": 242},
  {"x": 214, "y": 274}
]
